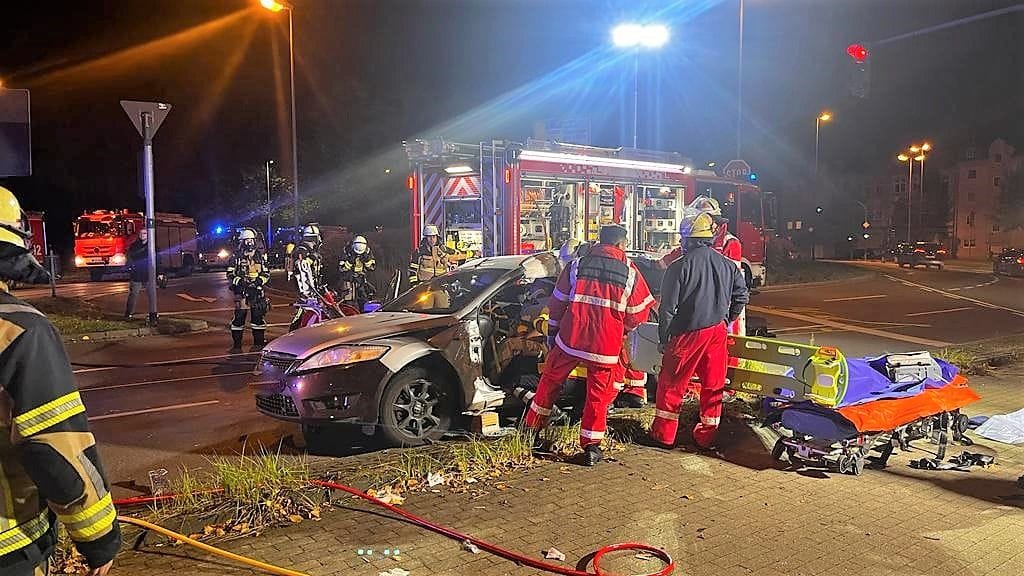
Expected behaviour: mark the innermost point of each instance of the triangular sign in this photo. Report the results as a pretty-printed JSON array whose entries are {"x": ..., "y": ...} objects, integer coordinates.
[{"x": 135, "y": 109}]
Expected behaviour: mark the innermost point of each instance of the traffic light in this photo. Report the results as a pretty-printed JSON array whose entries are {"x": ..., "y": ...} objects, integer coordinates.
[
  {"x": 753, "y": 176},
  {"x": 860, "y": 70}
]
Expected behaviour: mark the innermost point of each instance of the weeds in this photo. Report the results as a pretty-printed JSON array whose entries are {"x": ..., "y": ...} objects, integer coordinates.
[{"x": 980, "y": 358}]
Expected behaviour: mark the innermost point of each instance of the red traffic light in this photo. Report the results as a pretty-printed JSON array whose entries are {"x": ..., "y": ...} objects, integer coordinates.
[{"x": 858, "y": 52}]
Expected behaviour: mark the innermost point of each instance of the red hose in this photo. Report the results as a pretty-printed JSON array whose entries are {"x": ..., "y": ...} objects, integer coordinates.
[{"x": 514, "y": 556}]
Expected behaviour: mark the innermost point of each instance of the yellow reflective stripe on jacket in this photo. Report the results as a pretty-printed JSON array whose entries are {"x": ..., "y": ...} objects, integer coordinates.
[
  {"x": 24, "y": 534},
  {"x": 92, "y": 522},
  {"x": 53, "y": 412}
]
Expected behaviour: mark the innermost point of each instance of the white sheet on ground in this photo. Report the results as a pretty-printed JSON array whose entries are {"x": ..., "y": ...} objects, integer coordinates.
[{"x": 1006, "y": 428}]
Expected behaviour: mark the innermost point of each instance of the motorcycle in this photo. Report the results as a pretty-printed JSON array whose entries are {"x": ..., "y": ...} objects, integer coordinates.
[{"x": 323, "y": 307}]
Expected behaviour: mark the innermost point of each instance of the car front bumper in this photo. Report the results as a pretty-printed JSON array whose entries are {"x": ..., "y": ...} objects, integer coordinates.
[{"x": 335, "y": 394}]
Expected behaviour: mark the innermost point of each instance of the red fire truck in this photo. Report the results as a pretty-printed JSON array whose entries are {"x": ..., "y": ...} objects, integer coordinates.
[
  {"x": 102, "y": 238},
  {"x": 503, "y": 197}
]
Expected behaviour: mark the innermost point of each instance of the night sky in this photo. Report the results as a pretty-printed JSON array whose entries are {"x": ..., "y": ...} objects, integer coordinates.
[{"x": 373, "y": 73}]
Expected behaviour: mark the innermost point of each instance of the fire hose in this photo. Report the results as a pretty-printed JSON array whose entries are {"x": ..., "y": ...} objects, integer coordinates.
[{"x": 416, "y": 520}]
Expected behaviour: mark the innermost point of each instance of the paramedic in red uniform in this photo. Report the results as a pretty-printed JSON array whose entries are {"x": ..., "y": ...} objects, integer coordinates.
[
  {"x": 702, "y": 292},
  {"x": 598, "y": 299}
]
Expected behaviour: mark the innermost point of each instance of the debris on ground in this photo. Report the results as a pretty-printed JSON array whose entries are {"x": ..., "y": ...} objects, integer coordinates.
[
  {"x": 470, "y": 547},
  {"x": 645, "y": 556},
  {"x": 394, "y": 572},
  {"x": 435, "y": 479},
  {"x": 554, "y": 554},
  {"x": 387, "y": 496}
]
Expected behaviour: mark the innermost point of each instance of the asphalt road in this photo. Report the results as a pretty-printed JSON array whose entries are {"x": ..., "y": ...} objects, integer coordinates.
[{"x": 172, "y": 401}]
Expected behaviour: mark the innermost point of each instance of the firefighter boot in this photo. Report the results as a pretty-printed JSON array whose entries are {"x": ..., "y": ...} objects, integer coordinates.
[
  {"x": 236, "y": 341},
  {"x": 591, "y": 455},
  {"x": 258, "y": 339}
]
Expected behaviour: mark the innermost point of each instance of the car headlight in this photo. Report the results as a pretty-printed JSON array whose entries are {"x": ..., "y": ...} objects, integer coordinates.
[
  {"x": 118, "y": 259},
  {"x": 79, "y": 260},
  {"x": 341, "y": 356},
  {"x": 223, "y": 254}
]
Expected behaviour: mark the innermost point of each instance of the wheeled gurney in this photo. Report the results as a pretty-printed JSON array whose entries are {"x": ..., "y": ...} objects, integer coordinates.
[{"x": 834, "y": 411}]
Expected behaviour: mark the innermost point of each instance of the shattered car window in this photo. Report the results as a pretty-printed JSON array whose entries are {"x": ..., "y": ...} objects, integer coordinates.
[{"x": 448, "y": 293}]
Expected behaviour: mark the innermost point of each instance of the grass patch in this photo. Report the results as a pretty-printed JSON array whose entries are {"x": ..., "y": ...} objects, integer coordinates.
[
  {"x": 803, "y": 271},
  {"x": 72, "y": 316},
  {"x": 980, "y": 358}
]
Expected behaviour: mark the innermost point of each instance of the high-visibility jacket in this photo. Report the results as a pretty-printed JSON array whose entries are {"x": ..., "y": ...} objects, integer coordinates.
[
  {"x": 49, "y": 467},
  {"x": 598, "y": 299},
  {"x": 249, "y": 270},
  {"x": 428, "y": 261},
  {"x": 358, "y": 264}
]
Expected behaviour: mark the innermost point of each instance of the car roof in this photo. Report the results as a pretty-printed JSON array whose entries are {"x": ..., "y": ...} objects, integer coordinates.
[{"x": 541, "y": 265}]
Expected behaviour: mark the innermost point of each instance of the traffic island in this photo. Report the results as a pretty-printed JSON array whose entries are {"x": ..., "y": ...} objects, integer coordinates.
[{"x": 80, "y": 320}]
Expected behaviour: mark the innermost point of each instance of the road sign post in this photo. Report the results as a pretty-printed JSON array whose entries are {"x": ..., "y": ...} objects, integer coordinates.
[{"x": 147, "y": 118}]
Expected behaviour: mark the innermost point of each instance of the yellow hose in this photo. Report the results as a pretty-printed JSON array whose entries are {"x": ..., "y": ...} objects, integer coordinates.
[{"x": 207, "y": 548}]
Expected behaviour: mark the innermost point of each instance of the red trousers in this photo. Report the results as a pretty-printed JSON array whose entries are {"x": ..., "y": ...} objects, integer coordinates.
[
  {"x": 628, "y": 380},
  {"x": 601, "y": 392},
  {"x": 702, "y": 352},
  {"x": 737, "y": 328}
]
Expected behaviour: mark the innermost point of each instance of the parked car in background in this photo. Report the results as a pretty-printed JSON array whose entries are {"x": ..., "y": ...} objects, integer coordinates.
[
  {"x": 1010, "y": 262},
  {"x": 927, "y": 254}
]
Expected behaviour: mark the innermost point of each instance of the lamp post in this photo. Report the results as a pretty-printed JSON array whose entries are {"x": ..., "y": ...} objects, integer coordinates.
[
  {"x": 823, "y": 117},
  {"x": 637, "y": 37},
  {"x": 913, "y": 153},
  {"x": 269, "y": 162},
  {"x": 910, "y": 178},
  {"x": 276, "y": 6}
]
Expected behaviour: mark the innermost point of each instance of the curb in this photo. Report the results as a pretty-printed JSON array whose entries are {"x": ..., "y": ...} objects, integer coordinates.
[
  {"x": 163, "y": 327},
  {"x": 781, "y": 287}
]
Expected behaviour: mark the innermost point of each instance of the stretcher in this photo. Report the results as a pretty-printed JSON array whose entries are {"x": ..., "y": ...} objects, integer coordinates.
[{"x": 833, "y": 411}]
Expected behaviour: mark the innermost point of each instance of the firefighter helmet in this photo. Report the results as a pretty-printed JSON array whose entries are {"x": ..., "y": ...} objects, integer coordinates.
[
  {"x": 430, "y": 230},
  {"x": 359, "y": 245},
  {"x": 247, "y": 239},
  {"x": 568, "y": 250},
  {"x": 700, "y": 226},
  {"x": 707, "y": 205},
  {"x": 311, "y": 233},
  {"x": 14, "y": 228}
]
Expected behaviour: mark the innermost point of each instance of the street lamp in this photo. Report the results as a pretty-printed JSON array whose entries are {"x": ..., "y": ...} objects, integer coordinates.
[
  {"x": 275, "y": 6},
  {"x": 269, "y": 162},
  {"x": 637, "y": 37},
  {"x": 914, "y": 153},
  {"x": 823, "y": 117}
]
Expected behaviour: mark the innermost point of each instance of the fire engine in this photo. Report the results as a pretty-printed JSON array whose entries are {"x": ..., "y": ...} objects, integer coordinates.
[
  {"x": 102, "y": 238},
  {"x": 500, "y": 197}
]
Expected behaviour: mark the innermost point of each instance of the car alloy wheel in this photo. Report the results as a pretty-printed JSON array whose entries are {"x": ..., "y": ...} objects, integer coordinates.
[{"x": 416, "y": 407}]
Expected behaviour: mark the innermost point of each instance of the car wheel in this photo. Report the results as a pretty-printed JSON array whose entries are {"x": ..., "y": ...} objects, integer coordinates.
[{"x": 417, "y": 407}]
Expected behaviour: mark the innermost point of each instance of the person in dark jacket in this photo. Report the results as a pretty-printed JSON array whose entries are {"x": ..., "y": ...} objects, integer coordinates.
[
  {"x": 138, "y": 273},
  {"x": 702, "y": 292},
  {"x": 50, "y": 470}
]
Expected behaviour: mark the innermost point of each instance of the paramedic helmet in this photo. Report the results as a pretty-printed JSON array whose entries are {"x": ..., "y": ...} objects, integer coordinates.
[
  {"x": 706, "y": 204},
  {"x": 359, "y": 245},
  {"x": 700, "y": 226},
  {"x": 247, "y": 239},
  {"x": 14, "y": 228},
  {"x": 311, "y": 234}
]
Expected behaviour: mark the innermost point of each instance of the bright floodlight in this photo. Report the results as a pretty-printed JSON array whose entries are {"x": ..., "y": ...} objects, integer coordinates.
[{"x": 632, "y": 35}]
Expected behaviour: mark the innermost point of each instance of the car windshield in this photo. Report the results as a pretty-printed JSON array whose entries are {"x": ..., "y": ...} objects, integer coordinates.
[
  {"x": 448, "y": 293},
  {"x": 87, "y": 227}
]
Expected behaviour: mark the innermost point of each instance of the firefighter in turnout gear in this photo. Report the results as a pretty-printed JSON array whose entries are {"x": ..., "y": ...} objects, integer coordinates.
[
  {"x": 308, "y": 269},
  {"x": 355, "y": 264},
  {"x": 431, "y": 258},
  {"x": 701, "y": 293},
  {"x": 248, "y": 274},
  {"x": 597, "y": 300},
  {"x": 50, "y": 470}
]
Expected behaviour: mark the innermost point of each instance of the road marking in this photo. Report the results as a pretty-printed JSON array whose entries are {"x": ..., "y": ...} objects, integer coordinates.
[
  {"x": 181, "y": 312},
  {"x": 132, "y": 384},
  {"x": 163, "y": 362},
  {"x": 152, "y": 410},
  {"x": 851, "y": 327},
  {"x": 942, "y": 311},
  {"x": 981, "y": 303},
  {"x": 855, "y": 298},
  {"x": 797, "y": 328},
  {"x": 187, "y": 296}
]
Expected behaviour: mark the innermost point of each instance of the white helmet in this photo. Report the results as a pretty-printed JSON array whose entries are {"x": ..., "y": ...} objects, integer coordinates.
[
  {"x": 359, "y": 245},
  {"x": 431, "y": 230},
  {"x": 568, "y": 250},
  {"x": 246, "y": 234},
  {"x": 311, "y": 231}
]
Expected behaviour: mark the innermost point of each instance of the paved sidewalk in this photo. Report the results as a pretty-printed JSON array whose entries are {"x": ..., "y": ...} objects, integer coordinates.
[{"x": 734, "y": 516}]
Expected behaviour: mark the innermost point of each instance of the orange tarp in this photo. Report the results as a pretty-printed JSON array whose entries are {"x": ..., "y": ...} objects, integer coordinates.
[{"x": 881, "y": 415}]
